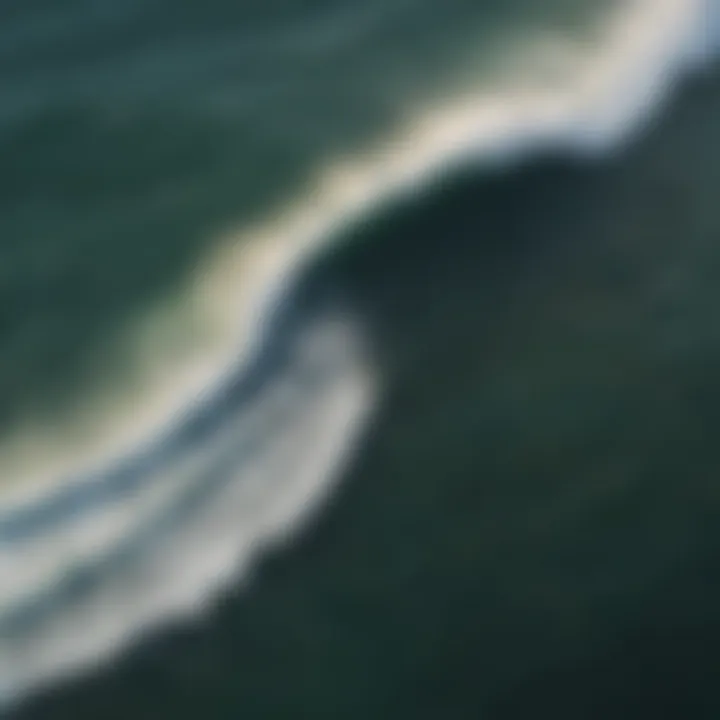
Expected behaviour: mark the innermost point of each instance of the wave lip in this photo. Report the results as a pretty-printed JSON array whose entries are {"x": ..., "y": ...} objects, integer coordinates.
[{"x": 643, "y": 48}]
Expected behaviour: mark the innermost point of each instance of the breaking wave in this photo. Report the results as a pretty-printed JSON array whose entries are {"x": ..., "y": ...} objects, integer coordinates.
[{"x": 153, "y": 523}]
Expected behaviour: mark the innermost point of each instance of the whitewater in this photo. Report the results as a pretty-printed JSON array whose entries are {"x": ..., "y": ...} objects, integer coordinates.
[{"x": 156, "y": 501}]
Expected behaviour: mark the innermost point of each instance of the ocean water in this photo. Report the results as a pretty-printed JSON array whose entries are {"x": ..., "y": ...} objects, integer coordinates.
[{"x": 359, "y": 359}]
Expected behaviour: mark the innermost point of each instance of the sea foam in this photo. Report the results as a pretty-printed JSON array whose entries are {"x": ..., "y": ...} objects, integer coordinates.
[{"x": 76, "y": 589}]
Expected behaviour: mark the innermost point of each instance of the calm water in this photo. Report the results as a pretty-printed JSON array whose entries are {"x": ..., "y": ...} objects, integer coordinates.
[{"x": 512, "y": 370}]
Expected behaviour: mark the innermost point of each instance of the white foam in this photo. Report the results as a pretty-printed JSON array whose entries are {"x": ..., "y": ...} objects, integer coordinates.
[
  {"x": 615, "y": 84},
  {"x": 314, "y": 427}
]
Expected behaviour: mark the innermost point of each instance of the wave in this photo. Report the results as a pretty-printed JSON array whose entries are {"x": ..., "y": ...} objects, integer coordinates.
[{"x": 156, "y": 520}]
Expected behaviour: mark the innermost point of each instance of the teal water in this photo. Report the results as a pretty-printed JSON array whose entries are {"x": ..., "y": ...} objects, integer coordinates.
[
  {"x": 529, "y": 520},
  {"x": 135, "y": 134}
]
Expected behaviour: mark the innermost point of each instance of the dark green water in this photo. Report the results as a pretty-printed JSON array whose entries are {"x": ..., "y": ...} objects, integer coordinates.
[{"x": 529, "y": 529}]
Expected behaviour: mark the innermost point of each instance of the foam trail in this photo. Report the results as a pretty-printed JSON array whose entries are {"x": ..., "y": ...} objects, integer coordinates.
[
  {"x": 130, "y": 577},
  {"x": 248, "y": 495},
  {"x": 36, "y": 558}
]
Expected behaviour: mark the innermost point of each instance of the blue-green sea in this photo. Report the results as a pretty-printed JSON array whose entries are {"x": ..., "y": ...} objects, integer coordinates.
[{"x": 359, "y": 359}]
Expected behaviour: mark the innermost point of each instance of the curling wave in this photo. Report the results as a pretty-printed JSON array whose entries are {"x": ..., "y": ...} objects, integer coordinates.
[{"x": 89, "y": 562}]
